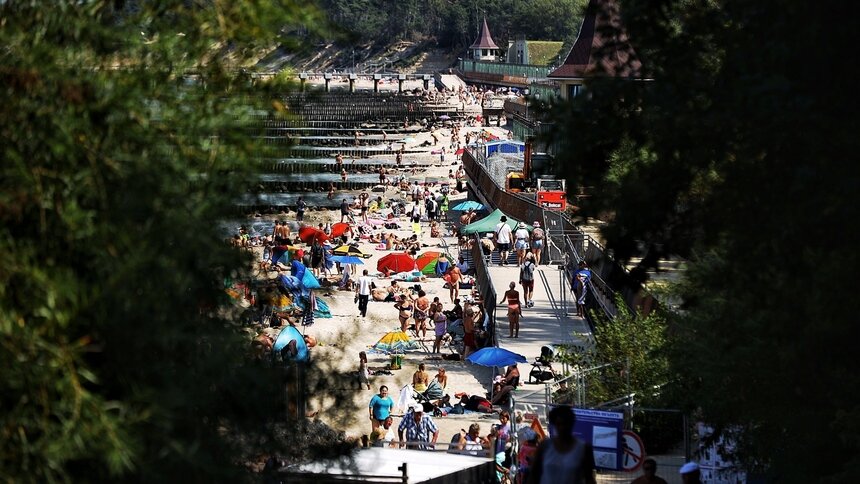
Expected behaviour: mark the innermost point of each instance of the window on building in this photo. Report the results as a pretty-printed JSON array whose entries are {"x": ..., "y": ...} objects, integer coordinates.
[{"x": 574, "y": 90}]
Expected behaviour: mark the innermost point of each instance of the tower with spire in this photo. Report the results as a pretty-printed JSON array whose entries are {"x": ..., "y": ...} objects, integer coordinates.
[{"x": 483, "y": 48}]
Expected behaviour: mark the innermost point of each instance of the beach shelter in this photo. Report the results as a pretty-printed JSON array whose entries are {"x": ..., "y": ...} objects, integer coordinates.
[
  {"x": 350, "y": 250},
  {"x": 396, "y": 262},
  {"x": 282, "y": 345},
  {"x": 282, "y": 254},
  {"x": 488, "y": 224},
  {"x": 426, "y": 262},
  {"x": 309, "y": 234},
  {"x": 340, "y": 228},
  {"x": 309, "y": 281},
  {"x": 395, "y": 342}
]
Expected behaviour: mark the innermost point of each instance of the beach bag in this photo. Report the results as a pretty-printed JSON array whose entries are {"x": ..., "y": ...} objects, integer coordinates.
[
  {"x": 527, "y": 273},
  {"x": 434, "y": 390}
]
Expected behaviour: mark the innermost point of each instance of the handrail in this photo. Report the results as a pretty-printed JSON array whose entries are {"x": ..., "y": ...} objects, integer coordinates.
[{"x": 523, "y": 208}]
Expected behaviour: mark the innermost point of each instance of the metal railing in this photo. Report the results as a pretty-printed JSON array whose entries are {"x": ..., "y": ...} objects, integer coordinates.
[
  {"x": 514, "y": 70},
  {"x": 488, "y": 292},
  {"x": 562, "y": 234}
]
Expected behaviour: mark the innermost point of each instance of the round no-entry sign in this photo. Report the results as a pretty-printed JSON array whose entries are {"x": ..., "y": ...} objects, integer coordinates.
[{"x": 634, "y": 451}]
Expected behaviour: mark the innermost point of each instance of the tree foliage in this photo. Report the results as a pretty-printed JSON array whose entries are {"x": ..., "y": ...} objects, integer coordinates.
[
  {"x": 740, "y": 156},
  {"x": 456, "y": 24},
  {"x": 121, "y": 139},
  {"x": 633, "y": 348}
]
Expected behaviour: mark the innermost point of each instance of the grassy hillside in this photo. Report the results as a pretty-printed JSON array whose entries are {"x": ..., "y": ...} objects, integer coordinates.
[{"x": 543, "y": 52}]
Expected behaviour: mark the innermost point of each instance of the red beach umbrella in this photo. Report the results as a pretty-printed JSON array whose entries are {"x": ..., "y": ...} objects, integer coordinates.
[
  {"x": 340, "y": 228},
  {"x": 309, "y": 234},
  {"x": 397, "y": 262}
]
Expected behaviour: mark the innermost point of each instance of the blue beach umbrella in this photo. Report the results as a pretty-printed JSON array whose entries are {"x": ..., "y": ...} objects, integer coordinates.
[
  {"x": 492, "y": 356},
  {"x": 347, "y": 259},
  {"x": 468, "y": 205}
]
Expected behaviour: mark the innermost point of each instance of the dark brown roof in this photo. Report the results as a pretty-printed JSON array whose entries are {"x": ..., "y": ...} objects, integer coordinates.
[
  {"x": 602, "y": 47},
  {"x": 484, "y": 41}
]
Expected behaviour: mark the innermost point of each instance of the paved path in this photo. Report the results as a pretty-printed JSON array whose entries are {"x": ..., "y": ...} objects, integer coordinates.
[{"x": 545, "y": 323}]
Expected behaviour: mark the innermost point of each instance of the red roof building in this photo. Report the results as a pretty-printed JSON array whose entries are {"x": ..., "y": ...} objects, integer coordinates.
[
  {"x": 602, "y": 49},
  {"x": 483, "y": 48}
]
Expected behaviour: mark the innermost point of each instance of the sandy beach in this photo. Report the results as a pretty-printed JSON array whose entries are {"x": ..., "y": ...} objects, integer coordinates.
[{"x": 343, "y": 336}]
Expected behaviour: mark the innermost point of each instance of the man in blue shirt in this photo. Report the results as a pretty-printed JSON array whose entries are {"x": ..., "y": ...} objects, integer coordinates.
[
  {"x": 582, "y": 279},
  {"x": 380, "y": 407}
]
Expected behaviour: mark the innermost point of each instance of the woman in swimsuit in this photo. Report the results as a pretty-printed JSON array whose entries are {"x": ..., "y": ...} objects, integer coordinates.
[
  {"x": 422, "y": 305},
  {"x": 420, "y": 379},
  {"x": 406, "y": 309},
  {"x": 512, "y": 297}
]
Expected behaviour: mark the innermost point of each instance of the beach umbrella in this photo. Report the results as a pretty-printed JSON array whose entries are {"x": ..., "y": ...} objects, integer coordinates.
[
  {"x": 468, "y": 205},
  {"x": 426, "y": 262},
  {"x": 347, "y": 259},
  {"x": 460, "y": 151},
  {"x": 350, "y": 250},
  {"x": 492, "y": 356},
  {"x": 396, "y": 262},
  {"x": 340, "y": 228},
  {"x": 395, "y": 342},
  {"x": 309, "y": 234},
  {"x": 444, "y": 117}
]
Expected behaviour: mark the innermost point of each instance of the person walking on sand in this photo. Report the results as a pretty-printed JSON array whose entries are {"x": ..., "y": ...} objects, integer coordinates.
[
  {"x": 363, "y": 291},
  {"x": 512, "y": 298},
  {"x": 527, "y": 279},
  {"x": 455, "y": 275},
  {"x": 380, "y": 407},
  {"x": 300, "y": 210},
  {"x": 363, "y": 372},
  {"x": 344, "y": 211}
]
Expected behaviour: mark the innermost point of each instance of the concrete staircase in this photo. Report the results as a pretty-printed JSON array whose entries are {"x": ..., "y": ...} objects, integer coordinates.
[{"x": 431, "y": 62}]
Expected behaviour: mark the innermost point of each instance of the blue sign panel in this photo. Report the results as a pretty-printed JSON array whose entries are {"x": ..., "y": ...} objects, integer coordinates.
[{"x": 603, "y": 430}]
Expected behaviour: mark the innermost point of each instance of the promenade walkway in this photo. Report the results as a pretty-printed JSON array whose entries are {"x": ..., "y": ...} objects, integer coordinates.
[{"x": 546, "y": 322}]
